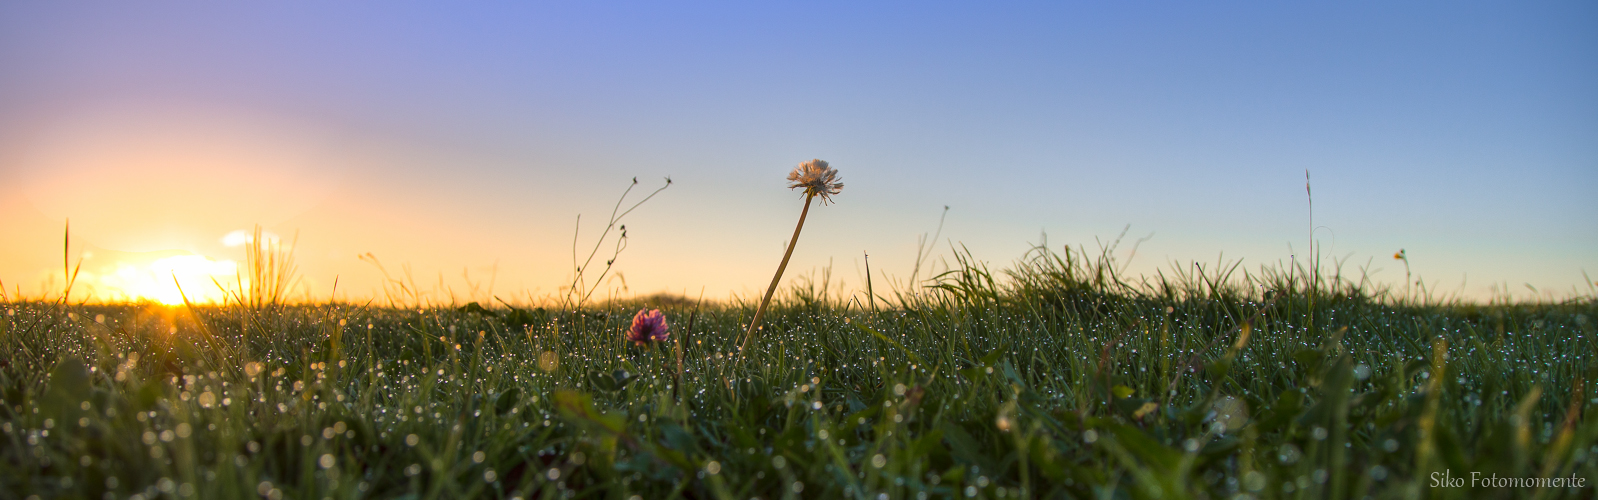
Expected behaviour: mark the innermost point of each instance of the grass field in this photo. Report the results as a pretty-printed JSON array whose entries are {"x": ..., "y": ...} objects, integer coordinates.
[{"x": 1052, "y": 379}]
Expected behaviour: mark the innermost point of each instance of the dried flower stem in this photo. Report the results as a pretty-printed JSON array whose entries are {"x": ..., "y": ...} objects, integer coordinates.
[{"x": 772, "y": 290}]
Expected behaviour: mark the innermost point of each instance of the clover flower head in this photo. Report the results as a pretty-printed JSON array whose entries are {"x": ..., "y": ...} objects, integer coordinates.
[
  {"x": 649, "y": 325},
  {"x": 817, "y": 178}
]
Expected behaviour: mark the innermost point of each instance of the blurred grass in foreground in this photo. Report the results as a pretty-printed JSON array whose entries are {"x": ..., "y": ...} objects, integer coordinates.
[{"x": 1054, "y": 380}]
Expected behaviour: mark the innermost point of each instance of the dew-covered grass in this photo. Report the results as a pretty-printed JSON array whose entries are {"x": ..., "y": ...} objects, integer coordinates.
[{"x": 1055, "y": 379}]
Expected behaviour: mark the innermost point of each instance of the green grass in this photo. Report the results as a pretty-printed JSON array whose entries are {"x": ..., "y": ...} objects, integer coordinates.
[{"x": 1056, "y": 379}]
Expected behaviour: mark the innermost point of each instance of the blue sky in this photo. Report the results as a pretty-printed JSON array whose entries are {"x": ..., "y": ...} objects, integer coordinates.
[{"x": 465, "y": 139}]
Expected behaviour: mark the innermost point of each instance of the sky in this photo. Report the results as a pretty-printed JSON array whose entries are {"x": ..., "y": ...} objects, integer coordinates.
[{"x": 468, "y": 148}]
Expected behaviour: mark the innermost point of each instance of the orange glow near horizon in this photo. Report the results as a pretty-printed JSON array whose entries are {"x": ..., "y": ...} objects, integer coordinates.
[{"x": 146, "y": 180}]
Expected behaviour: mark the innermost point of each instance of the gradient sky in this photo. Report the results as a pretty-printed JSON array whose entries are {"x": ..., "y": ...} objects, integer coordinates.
[{"x": 462, "y": 140}]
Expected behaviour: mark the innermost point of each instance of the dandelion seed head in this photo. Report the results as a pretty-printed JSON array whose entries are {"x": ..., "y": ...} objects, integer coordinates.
[{"x": 817, "y": 178}]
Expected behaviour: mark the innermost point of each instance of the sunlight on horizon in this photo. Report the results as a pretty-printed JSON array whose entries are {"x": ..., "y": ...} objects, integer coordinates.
[{"x": 168, "y": 280}]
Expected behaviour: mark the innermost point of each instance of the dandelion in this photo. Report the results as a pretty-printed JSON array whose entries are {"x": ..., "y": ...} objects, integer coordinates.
[
  {"x": 648, "y": 326},
  {"x": 817, "y": 179}
]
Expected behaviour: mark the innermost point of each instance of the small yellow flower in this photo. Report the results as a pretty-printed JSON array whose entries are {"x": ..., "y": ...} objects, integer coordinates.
[
  {"x": 817, "y": 178},
  {"x": 1400, "y": 255}
]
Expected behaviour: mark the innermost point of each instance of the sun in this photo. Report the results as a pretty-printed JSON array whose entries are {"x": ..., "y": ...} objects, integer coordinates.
[{"x": 170, "y": 280}]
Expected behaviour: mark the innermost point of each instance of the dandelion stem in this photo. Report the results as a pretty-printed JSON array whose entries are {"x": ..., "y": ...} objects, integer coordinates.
[{"x": 772, "y": 290}]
